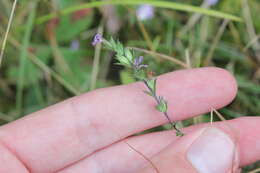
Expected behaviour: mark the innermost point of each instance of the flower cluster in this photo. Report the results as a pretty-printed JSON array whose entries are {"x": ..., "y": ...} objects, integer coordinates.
[
  {"x": 126, "y": 57},
  {"x": 137, "y": 64},
  {"x": 97, "y": 39},
  {"x": 211, "y": 2},
  {"x": 145, "y": 12}
]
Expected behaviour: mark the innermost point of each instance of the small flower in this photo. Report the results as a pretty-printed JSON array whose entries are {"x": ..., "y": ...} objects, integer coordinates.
[
  {"x": 211, "y": 2},
  {"x": 145, "y": 12},
  {"x": 97, "y": 39},
  {"x": 138, "y": 63},
  {"x": 74, "y": 45}
]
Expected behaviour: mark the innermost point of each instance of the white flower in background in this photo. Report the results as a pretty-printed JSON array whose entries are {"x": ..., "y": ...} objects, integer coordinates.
[
  {"x": 145, "y": 12},
  {"x": 74, "y": 45},
  {"x": 211, "y": 2}
]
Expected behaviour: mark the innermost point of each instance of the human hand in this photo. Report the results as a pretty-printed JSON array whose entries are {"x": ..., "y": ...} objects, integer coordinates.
[{"x": 89, "y": 133}]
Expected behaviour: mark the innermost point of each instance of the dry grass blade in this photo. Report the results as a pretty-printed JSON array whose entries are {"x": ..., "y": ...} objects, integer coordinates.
[
  {"x": 7, "y": 32},
  {"x": 221, "y": 117},
  {"x": 193, "y": 20},
  {"x": 252, "y": 42},
  {"x": 250, "y": 28},
  {"x": 145, "y": 35},
  {"x": 215, "y": 42},
  {"x": 5, "y": 117},
  {"x": 187, "y": 58},
  {"x": 211, "y": 116},
  {"x": 176, "y": 61},
  {"x": 255, "y": 171},
  {"x": 146, "y": 158}
]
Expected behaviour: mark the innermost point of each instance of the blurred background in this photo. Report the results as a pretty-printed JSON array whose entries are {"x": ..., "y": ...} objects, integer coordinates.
[{"x": 49, "y": 56}]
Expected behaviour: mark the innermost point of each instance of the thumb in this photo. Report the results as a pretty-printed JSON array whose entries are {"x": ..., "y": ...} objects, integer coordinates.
[{"x": 208, "y": 150}]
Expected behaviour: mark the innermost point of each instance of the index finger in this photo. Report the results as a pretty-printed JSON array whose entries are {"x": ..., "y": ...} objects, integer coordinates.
[{"x": 50, "y": 139}]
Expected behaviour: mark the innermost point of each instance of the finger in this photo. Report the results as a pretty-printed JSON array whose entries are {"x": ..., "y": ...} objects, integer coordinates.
[
  {"x": 9, "y": 163},
  {"x": 208, "y": 150},
  {"x": 120, "y": 157},
  {"x": 79, "y": 126}
]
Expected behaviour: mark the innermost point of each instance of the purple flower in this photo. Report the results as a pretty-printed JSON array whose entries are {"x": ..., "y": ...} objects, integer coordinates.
[
  {"x": 74, "y": 45},
  {"x": 145, "y": 12},
  {"x": 138, "y": 63},
  {"x": 97, "y": 39},
  {"x": 211, "y": 2}
]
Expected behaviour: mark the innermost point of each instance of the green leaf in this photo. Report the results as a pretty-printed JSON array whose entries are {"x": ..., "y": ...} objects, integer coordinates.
[
  {"x": 148, "y": 93},
  {"x": 80, "y": 70},
  {"x": 32, "y": 73},
  {"x": 123, "y": 60},
  {"x": 151, "y": 84},
  {"x": 64, "y": 3},
  {"x": 162, "y": 106},
  {"x": 66, "y": 33},
  {"x": 126, "y": 77},
  {"x": 140, "y": 74},
  {"x": 129, "y": 55},
  {"x": 123, "y": 55},
  {"x": 119, "y": 49},
  {"x": 112, "y": 43},
  {"x": 248, "y": 85},
  {"x": 179, "y": 133}
]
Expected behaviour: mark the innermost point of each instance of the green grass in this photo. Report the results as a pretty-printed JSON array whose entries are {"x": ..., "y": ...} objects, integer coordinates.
[{"x": 23, "y": 62}]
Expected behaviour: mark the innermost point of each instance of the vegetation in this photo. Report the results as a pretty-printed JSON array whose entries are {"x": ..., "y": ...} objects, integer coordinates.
[{"x": 49, "y": 57}]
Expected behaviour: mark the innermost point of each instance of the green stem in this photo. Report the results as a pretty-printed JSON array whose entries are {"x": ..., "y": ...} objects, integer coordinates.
[
  {"x": 155, "y": 3},
  {"x": 23, "y": 58},
  {"x": 173, "y": 124}
]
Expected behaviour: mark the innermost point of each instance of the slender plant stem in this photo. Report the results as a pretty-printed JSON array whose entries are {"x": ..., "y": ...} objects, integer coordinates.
[
  {"x": 192, "y": 20},
  {"x": 7, "y": 31},
  {"x": 96, "y": 62},
  {"x": 23, "y": 61},
  {"x": 156, "y": 3},
  {"x": 145, "y": 157},
  {"x": 215, "y": 42},
  {"x": 175, "y": 60},
  {"x": 172, "y": 123},
  {"x": 126, "y": 58},
  {"x": 250, "y": 28},
  {"x": 251, "y": 42},
  {"x": 146, "y": 35}
]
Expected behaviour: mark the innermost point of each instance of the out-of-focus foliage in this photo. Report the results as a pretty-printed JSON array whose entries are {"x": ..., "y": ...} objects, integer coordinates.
[{"x": 59, "y": 60}]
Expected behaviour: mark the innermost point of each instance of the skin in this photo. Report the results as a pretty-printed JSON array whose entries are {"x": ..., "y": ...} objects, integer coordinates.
[{"x": 88, "y": 133}]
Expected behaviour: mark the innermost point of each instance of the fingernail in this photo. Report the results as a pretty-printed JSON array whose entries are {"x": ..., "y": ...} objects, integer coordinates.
[{"x": 212, "y": 152}]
